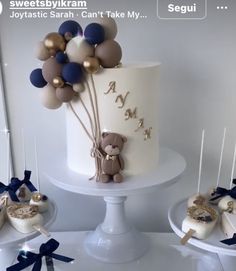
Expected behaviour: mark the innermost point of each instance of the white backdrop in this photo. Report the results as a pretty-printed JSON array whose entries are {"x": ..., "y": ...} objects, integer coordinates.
[{"x": 198, "y": 80}]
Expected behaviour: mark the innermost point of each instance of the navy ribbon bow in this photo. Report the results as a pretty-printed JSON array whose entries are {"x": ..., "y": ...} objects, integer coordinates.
[
  {"x": 221, "y": 192},
  {"x": 15, "y": 184},
  {"x": 11, "y": 188},
  {"x": 26, "y": 181},
  {"x": 230, "y": 241},
  {"x": 26, "y": 259}
]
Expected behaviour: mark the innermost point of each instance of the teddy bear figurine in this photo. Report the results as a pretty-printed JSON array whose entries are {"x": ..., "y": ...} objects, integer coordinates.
[{"x": 112, "y": 162}]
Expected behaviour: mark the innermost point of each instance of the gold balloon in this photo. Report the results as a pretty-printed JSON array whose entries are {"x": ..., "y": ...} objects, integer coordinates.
[
  {"x": 91, "y": 64},
  {"x": 58, "y": 82},
  {"x": 54, "y": 41}
]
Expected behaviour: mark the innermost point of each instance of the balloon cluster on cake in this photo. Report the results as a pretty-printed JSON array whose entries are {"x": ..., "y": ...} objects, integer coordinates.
[
  {"x": 71, "y": 54},
  {"x": 71, "y": 57}
]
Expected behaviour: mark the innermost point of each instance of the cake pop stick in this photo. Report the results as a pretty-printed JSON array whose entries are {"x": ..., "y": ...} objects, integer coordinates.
[
  {"x": 228, "y": 203},
  {"x": 221, "y": 158},
  {"x": 8, "y": 156},
  {"x": 198, "y": 199},
  {"x": 23, "y": 193},
  {"x": 37, "y": 198},
  {"x": 2, "y": 216},
  {"x": 213, "y": 192},
  {"x": 199, "y": 222},
  {"x": 5, "y": 198}
]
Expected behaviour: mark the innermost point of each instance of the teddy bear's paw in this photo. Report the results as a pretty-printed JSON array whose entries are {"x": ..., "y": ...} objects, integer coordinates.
[
  {"x": 104, "y": 178},
  {"x": 118, "y": 178}
]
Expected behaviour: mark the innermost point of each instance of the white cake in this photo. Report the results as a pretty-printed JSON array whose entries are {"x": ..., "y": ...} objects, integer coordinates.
[{"x": 138, "y": 85}]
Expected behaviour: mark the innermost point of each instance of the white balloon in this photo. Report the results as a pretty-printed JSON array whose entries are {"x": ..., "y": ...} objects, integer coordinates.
[
  {"x": 109, "y": 26},
  {"x": 48, "y": 97},
  {"x": 79, "y": 87},
  {"x": 78, "y": 49},
  {"x": 41, "y": 52}
]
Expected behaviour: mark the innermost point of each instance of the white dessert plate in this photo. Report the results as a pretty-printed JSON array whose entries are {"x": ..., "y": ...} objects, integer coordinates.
[
  {"x": 9, "y": 237},
  {"x": 170, "y": 166},
  {"x": 176, "y": 215}
]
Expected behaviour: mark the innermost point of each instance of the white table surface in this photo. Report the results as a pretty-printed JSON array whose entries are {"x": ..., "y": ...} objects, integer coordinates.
[{"x": 165, "y": 254}]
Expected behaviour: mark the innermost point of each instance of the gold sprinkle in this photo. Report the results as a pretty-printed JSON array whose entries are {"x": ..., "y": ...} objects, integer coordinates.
[
  {"x": 195, "y": 212},
  {"x": 37, "y": 197}
]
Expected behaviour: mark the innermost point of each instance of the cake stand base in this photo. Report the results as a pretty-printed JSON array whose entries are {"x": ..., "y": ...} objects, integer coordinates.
[{"x": 115, "y": 241}]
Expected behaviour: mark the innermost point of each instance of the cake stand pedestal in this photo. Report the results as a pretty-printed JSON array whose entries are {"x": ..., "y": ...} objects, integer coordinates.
[
  {"x": 11, "y": 241},
  {"x": 115, "y": 240},
  {"x": 176, "y": 215}
]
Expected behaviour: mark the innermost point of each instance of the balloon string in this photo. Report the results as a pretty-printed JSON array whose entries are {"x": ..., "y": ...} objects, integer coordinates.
[
  {"x": 81, "y": 123},
  {"x": 89, "y": 116},
  {"x": 97, "y": 111},
  {"x": 92, "y": 106},
  {"x": 95, "y": 152}
]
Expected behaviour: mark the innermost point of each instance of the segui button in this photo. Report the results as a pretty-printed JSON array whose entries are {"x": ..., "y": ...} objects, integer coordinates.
[{"x": 182, "y": 9}]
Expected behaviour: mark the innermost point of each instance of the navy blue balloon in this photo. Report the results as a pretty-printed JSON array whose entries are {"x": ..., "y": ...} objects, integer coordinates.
[
  {"x": 36, "y": 78},
  {"x": 72, "y": 73},
  {"x": 94, "y": 33},
  {"x": 71, "y": 27},
  {"x": 61, "y": 58}
]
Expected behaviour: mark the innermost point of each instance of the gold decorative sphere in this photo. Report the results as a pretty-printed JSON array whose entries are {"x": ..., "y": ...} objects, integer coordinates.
[
  {"x": 54, "y": 41},
  {"x": 58, "y": 82},
  {"x": 91, "y": 64}
]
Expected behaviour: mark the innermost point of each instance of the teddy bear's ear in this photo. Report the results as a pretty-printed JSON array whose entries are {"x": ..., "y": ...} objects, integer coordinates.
[
  {"x": 124, "y": 139},
  {"x": 104, "y": 134}
]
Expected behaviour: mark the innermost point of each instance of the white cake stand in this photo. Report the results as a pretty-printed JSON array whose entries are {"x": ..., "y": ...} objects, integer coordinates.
[
  {"x": 11, "y": 240},
  {"x": 115, "y": 240}
]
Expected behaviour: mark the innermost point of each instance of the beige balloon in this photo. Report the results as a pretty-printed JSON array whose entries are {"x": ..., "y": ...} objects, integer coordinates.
[
  {"x": 51, "y": 69},
  {"x": 79, "y": 87},
  {"x": 78, "y": 49},
  {"x": 41, "y": 52},
  {"x": 110, "y": 27},
  {"x": 109, "y": 53},
  {"x": 48, "y": 97},
  {"x": 65, "y": 94}
]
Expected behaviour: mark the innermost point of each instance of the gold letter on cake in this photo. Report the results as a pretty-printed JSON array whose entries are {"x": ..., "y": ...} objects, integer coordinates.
[
  {"x": 140, "y": 124},
  {"x": 112, "y": 87},
  {"x": 147, "y": 133},
  {"x": 122, "y": 99},
  {"x": 129, "y": 114}
]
